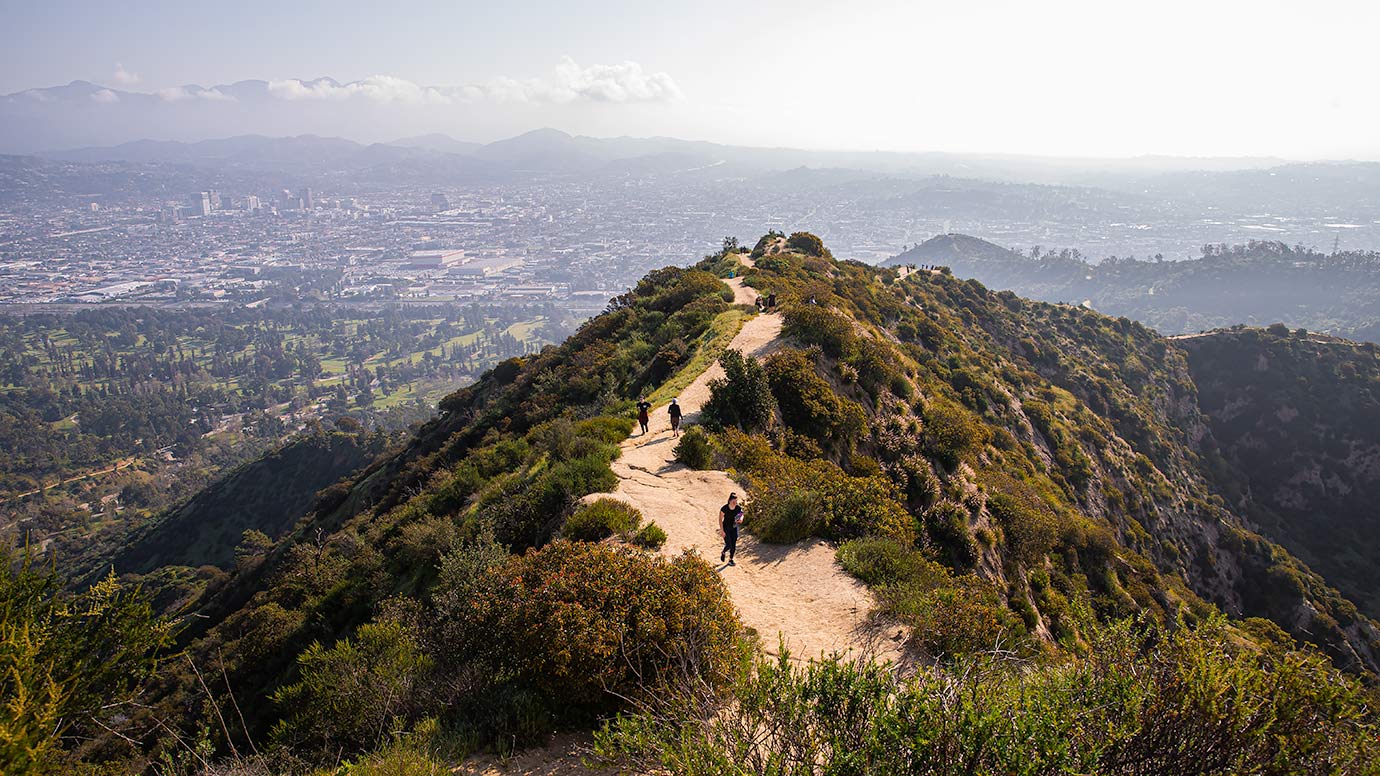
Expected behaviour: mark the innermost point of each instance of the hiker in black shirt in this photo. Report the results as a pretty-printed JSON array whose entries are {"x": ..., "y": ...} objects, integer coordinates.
[
  {"x": 644, "y": 407},
  {"x": 730, "y": 517},
  {"x": 674, "y": 412}
]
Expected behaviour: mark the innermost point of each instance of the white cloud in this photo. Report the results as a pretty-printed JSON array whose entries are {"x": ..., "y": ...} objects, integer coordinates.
[
  {"x": 569, "y": 82},
  {"x": 624, "y": 82},
  {"x": 124, "y": 77},
  {"x": 173, "y": 94},
  {"x": 105, "y": 96},
  {"x": 180, "y": 93},
  {"x": 378, "y": 88}
]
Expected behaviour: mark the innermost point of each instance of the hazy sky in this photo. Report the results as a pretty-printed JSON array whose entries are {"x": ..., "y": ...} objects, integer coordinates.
[{"x": 1208, "y": 77}]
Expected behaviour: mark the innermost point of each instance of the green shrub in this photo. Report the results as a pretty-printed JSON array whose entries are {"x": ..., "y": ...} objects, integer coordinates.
[
  {"x": 694, "y": 449},
  {"x": 65, "y": 658},
  {"x": 806, "y": 243},
  {"x": 601, "y": 519},
  {"x": 796, "y": 516},
  {"x": 815, "y": 325},
  {"x": 879, "y": 562},
  {"x": 742, "y": 399},
  {"x": 526, "y": 510},
  {"x": 649, "y": 537},
  {"x": 1031, "y": 528},
  {"x": 352, "y": 695},
  {"x": 583, "y": 626},
  {"x": 808, "y": 403},
  {"x": 946, "y": 523},
  {"x": 952, "y": 431},
  {"x": 848, "y": 507}
]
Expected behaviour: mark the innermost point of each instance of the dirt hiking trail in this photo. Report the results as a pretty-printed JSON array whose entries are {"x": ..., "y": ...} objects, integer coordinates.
[
  {"x": 796, "y": 592},
  {"x": 792, "y": 592}
]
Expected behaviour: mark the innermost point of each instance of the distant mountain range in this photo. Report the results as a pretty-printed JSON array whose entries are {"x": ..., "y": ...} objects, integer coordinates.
[
  {"x": 1258, "y": 283},
  {"x": 83, "y": 114}
]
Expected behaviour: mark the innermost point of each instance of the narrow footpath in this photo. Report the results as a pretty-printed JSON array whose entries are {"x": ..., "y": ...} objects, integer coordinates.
[{"x": 792, "y": 592}]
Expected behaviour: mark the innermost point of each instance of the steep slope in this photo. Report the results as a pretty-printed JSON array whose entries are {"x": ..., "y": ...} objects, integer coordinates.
[
  {"x": 268, "y": 495},
  {"x": 1036, "y": 444},
  {"x": 1298, "y": 421}
]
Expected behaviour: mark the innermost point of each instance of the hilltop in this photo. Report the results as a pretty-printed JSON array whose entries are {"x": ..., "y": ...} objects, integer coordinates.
[{"x": 1021, "y": 504}]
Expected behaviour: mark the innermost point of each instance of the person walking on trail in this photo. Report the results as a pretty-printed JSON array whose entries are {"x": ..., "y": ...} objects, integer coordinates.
[
  {"x": 674, "y": 412},
  {"x": 643, "y": 408},
  {"x": 771, "y": 301},
  {"x": 730, "y": 518}
]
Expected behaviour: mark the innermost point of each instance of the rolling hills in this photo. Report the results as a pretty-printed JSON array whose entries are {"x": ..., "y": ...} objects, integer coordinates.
[{"x": 1257, "y": 284}]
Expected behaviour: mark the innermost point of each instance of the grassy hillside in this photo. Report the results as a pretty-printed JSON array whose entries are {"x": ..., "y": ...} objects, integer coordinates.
[{"x": 1023, "y": 486}]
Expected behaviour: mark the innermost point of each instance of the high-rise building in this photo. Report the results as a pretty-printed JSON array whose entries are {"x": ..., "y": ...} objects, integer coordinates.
[
  {"x": 305, "y": 196},
  {"x": 215, "y": 199},
  {"x": 440, "y": 202},
  {"x": 201, "y": 203},
  {"x": 251, "y": 203}
]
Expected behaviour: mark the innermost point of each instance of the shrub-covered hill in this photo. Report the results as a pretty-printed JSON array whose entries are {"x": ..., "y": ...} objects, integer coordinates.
[
  {"x": 245, "y": 510},
  {"x": 1053, "y": 450},
  {"x": 1022, "y": 485},
  {"x": 1297, "y": 417}
]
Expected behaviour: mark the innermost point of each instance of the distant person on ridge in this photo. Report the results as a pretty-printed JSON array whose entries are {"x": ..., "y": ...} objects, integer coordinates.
[
  {"x": 674, "y": 412},
  {"x": 644, "y": 407},
  {"x": 730, "y": 518},
  {"x": 771, "y": 301}
]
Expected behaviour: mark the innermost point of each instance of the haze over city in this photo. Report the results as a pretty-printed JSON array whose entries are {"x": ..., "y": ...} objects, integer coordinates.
[{"x": 1069, "y": 78}]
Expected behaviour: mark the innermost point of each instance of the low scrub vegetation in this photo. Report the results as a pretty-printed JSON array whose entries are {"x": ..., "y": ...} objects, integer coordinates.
[
  {"x": 695, "y": 449},
  {"x": 1141, "y": 700},
  {"x": 601, "y": 519}
]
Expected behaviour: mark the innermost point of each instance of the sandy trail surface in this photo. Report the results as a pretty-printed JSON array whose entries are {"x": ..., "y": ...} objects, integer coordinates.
[{"x": 792, "y": 592}]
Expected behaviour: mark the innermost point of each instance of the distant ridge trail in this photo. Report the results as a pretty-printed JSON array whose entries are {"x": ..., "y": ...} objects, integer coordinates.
[{"x": 793, "y": 592}]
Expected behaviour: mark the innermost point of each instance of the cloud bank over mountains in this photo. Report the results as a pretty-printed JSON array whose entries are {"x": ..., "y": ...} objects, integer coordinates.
[
  {"x": 571, "y": 82},
  {"x": 83, "y": 113}
]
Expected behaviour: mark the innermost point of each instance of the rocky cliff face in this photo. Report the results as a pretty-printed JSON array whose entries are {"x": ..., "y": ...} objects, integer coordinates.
[{"x": 1297, "y": 417}]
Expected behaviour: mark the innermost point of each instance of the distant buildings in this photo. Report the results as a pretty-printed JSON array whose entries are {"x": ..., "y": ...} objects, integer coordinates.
[
  {"x": 483, "y": 268},
  {"x": 201, "y": 203},
  {"x": 437, "y": 259},
  {"x": 440, "y": 202},
  {"x": 306, "y": 200}
]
